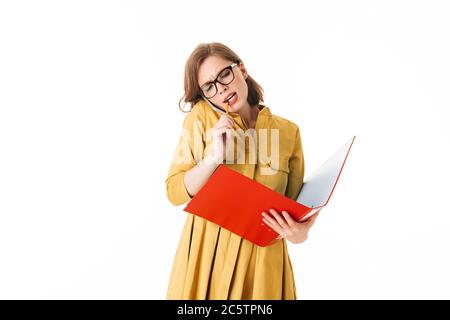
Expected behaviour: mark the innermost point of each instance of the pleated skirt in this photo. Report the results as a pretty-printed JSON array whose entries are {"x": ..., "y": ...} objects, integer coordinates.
[{"x": 212, "y": 263}]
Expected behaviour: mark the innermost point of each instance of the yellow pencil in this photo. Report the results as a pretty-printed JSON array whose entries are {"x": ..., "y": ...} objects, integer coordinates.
[{"x": 227, "y": 107}]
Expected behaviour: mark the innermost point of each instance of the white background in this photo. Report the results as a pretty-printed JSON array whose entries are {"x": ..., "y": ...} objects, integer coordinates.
[{"x": 89, "y": 122}]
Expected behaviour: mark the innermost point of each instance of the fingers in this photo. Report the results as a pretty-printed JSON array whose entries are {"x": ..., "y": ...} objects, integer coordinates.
[
  {"x": 225, "y": 122},
  {"x": 313, "y": 218},
  {"x": 228, "y": 138},
  {"x": 288, "y": 218},
  {"x": 279, "y": 218},
  {"x": 221, "y": 129},
  {"x": 229, "y": 134},
  {"x": 226, "y": 116},
  {"x": 273, "y": 224},
  {"x": 224, "y": 125},
  {"x": 278, "y": 224},
  {"x": 218, "y": 132},
  {"x": 226, "y": 119},
  {"x": 310, "y": 222}
]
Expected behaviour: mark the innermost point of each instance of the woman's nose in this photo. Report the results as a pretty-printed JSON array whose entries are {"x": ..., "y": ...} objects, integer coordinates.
[{"x": 221, "y": 88}]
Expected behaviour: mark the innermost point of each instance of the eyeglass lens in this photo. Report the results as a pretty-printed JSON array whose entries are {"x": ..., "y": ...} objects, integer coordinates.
[{"x": 225, "y": 77}]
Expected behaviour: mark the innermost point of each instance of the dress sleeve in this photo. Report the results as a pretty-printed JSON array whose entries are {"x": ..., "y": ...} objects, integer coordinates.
[
  {"x": 296, "y": 168},
  {"x": 188, "y": 153}
]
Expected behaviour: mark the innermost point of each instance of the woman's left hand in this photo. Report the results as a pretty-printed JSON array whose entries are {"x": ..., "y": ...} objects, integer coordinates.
[{"x": 287, "y": 227}]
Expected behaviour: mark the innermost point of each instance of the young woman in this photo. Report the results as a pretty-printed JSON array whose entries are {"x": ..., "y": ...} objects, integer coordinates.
[{"x": 212, "y": 262}]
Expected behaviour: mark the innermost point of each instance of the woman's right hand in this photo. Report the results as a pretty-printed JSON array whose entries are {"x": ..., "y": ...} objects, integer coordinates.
[{"x": 222, "y": 138}]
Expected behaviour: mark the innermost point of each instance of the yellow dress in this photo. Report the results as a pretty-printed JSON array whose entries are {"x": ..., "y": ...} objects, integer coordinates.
[{"x": 210, "y": 261}]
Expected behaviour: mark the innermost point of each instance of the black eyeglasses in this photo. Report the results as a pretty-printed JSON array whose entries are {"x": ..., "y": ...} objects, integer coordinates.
[{"x": 226, "y": 76}]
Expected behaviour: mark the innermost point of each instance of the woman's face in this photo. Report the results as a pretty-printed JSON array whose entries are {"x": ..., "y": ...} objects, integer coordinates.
[{"x": 210, "y": 69}]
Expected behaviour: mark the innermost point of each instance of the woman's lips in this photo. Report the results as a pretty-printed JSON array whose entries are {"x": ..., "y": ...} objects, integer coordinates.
[
  {"x": 233, "y": 99},
  {"x": 229, "y": 96}
]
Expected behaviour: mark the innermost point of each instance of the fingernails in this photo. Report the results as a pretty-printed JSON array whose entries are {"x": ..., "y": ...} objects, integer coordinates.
[{"x": 273, "y": 211}]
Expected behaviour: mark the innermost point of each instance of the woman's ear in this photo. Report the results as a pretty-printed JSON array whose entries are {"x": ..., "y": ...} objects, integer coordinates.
[{"x": 243, "y": 70}]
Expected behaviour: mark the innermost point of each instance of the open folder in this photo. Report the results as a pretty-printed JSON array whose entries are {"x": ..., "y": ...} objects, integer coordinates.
[{"x": 241, "y": 213}]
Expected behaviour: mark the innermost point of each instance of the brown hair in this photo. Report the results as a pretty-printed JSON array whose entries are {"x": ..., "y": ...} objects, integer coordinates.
[{"x": 200, "y": 53}]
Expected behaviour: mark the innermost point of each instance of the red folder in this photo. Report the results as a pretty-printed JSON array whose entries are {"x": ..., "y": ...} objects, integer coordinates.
[{"x": 241, "y": 212}]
